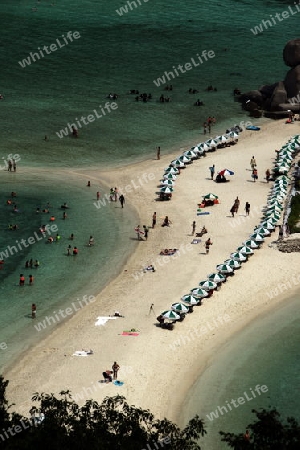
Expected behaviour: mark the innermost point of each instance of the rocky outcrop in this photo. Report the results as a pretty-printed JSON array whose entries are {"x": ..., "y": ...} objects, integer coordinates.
[
  {"x": 289, "y": 246},
  {"x": 283, "y": 95},
  {"x": 291, "y": 53}
]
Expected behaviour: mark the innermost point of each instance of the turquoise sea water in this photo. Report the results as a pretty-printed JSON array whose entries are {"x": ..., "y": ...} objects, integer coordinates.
[
  {"x": 266, "y": 353},
  {"x": 112, "y": 55}
]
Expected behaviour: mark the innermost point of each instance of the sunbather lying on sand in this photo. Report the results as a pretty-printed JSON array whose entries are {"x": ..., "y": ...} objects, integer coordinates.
[
  {"x": 169, "y": 251},
  {"x": 151, "y": 268}
]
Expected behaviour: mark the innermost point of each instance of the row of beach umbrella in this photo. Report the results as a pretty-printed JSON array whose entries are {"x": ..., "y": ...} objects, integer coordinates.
[
  {"x": 172, "y": 171},
  {"x": 271, "y": 217}
]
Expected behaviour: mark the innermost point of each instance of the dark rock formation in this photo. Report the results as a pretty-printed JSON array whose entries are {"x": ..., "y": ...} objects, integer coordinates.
[
  {"x": 291, "y": 53},
  {"x": 283, "y": 95},
  {"x": 292, "y": 245}
]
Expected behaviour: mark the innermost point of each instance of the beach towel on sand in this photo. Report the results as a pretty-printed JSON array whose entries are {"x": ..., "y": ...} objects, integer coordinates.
[
  {"x": 103, "y": 320},
  {"x": 196, "y": 241},
  {"x": 118, "y": 383},
  {"x": 130, "y": 333},
  {"x": 82, "y": 353}
]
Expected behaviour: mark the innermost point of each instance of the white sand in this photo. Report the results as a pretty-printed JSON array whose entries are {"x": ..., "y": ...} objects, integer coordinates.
[{"x": 158, "y": 372}]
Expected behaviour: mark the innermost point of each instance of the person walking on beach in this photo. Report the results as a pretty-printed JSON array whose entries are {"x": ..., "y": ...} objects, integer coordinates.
[
  {"x": 268, "y": 175},
  {"x": 154, "y": 220},
  {"x": 193, "y": 227},
  {"x": 115, "y": 368},
  {"x": 158, "y": 152},
  {"x": 208, "y": 243},
  {"x": 233, "y": 210},
  {"x": 122, "y": 200},
  {"x": 33, "y": 310},
  {"x": 254, "y": 175},
  {"x": 247, "y": 208},
  {"x": 212, "y": 171},
  {"x": 146, "y": 231},
  {"x": 237, "y": 204},
  {"x": 252, "y": 163}
]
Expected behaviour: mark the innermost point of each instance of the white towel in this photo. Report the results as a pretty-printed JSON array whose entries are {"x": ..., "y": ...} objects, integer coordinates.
[
  {"x": 81, "y": 353},
  {"x": 103, "y": 320}
]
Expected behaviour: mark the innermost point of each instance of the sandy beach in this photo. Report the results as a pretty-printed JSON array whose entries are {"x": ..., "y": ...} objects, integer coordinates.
[{"x": 156, "y": 359}]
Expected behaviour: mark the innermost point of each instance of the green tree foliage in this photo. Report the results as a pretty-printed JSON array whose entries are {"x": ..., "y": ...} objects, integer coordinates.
[
  {"x": 268, "y": 432},
  {"x": 112, "y": 425}
]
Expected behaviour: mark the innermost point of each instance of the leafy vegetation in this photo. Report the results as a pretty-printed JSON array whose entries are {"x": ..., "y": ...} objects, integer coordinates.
[{"x": 294, "y": 217}]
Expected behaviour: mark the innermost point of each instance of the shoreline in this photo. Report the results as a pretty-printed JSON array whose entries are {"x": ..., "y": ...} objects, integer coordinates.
[{"x": 170, "y": 281}]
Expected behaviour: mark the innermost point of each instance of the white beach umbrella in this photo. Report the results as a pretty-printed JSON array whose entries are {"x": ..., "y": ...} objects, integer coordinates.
[
  {"x": 275, "y": 208},
  {"x": 171, "y": 169},
  {"x": 168, "y": 183},
  {"x": 216, "y": 277},
  {"x": 208, "y": 285},
  {"x": 180, "y": 308},
  {"x": 262, "y": 231},
  {"x": 233, "y": 263},
  {"x": 205, "y": 147},
  {"x": 171, "y": 315},
  {"x": 238, "y": 257},
  {"x": 223, "y": 139},
  {"x": 166, "y": 189},
  {"x": 211, "y": 143},
  {"x": 191, "y": 154},
  {"x": 177, "y": 163},
  {"x": 224, "y": 268},
  {"x": 198, "y": 292},
  {"x": 245, "y": 250},
  {"x": 170, "y": 176},
  {"x": 267, "y": 225},
  {"x": 190, "y": 300},
  {"x": 185, "y": 159},
  {"x": 251, "y": 243},
  {"x": 257, "y": 237}
]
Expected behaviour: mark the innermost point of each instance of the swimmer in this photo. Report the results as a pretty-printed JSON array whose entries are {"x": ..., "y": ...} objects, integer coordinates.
[
  {"x": 71, "y": 237},
  {"x": 52, "y": 219},
  {"x": 31, "y": 279},
  {"x": 69, "y": 250},
  {"x": 22, "y": 280},
  {"x": 75, "y": 251},
  {"x": 57, "y": 238},
  {"x": 50, "y": 239},
  {"x": 89, "y": 184},
  {"x": 37, "y": 263},
  {"x": 64, "y": 216},
  {"x": 91, "y": 241}
]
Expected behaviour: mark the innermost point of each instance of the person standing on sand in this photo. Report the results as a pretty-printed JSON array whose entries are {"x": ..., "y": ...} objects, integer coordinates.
[
  {"x": 154, "y": 220},
  {"x": 208, "y": 243},
  {"x": 237, "y": 204},
  {"x": 254, "y": 175},
  {"x": 193, "y": 227},
  {"x": 233, "y": 210},
  {"x": 146, "y": 231},
  {"x": 247, "y": 208},
  {"x": 212, "y": 171},
  {"x": 115, "y": 368},
  {"x": 158, "y": 152},
  {"x": 122, "y": 200},
  {"x": 268, "y": 175},
  {"x": 252, "y": 163}
]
